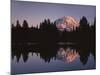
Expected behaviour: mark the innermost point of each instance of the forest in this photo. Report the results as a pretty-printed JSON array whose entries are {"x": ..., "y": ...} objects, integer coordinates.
[{"x": 47, "y": 32}]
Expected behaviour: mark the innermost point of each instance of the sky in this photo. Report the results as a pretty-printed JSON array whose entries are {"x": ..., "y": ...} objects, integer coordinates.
[{"x": 36, "y": 12}]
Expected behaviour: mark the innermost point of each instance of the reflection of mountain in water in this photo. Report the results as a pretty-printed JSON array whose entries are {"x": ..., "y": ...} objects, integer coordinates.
[{"x": 68, "y": 53}]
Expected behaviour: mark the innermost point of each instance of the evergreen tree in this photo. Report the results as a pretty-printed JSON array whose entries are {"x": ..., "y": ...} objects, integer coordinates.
[
  {"x": 25, "y": 24},
  {"x": 12, "y": 26},
  {"x": 18, "y": 24},
  {"x": 84, "y": 25}
]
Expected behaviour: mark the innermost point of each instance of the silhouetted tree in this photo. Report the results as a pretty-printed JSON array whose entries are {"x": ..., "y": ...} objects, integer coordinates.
[
  {"x": 25, "y": 24},
  {"x": 18, "y": 24},
  {"x": 12, "y": 26},
  {"x": 48, "y": 21},
  {"x": 84, "y": 25}
]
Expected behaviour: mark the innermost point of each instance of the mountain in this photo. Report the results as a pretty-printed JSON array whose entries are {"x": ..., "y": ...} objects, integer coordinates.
[{"x": 67, "y": 23}]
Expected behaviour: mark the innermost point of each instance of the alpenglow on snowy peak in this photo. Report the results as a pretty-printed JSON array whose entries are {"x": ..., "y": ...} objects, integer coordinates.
[{"x": 67, "y": 23}]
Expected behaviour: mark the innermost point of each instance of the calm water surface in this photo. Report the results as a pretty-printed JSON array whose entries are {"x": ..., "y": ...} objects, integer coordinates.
[{"x": 44, "y": 58}]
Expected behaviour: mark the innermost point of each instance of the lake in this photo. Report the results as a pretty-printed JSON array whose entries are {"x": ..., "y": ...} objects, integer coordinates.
[{"x": 35, "y": 58}]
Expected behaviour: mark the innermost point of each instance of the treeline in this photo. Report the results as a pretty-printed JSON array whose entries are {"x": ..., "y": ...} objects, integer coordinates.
[{"x": 47, "y": 32}]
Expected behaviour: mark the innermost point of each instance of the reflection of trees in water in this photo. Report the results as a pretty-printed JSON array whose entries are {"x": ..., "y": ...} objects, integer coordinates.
[
  {"x": 45, "y": 52},
  {"x": 48, "y": 52},
  {"x": 84, "y": 53},
  {"x": 18, "y": 52}
]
